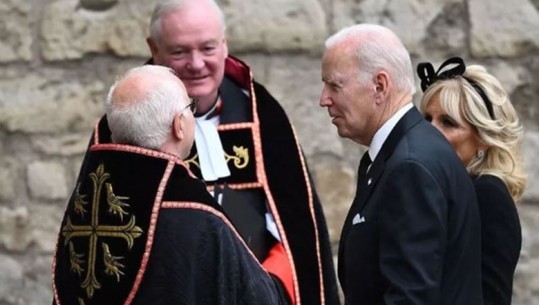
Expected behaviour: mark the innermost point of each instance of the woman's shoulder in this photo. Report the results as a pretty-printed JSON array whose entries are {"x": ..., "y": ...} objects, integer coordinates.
[
  {"x": 493, "y": 195},
  {"x": 490, "y": 184},
  {"x": 487, "y": 179}
]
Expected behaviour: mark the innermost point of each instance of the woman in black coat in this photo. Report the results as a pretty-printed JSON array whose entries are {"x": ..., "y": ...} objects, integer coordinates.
[{"x": 470, "y": 107}]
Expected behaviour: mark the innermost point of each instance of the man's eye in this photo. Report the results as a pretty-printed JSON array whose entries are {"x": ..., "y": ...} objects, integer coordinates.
[
  {"x": 209, "y": 50},
  {"x": 334, "y": 87}
]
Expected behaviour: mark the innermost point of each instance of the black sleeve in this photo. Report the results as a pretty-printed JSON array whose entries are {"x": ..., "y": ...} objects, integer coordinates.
[
  {"x": 236, "y": 275},
  {"x": 501, "y": 239},
  {"x": 197, "y": 259}
]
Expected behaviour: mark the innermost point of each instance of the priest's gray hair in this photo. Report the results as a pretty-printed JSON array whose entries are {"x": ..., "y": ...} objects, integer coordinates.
[
  {"x": 166, "y": 6},
  {"x": 142, "y": 104},
  {"x": 377, "y": 49}
]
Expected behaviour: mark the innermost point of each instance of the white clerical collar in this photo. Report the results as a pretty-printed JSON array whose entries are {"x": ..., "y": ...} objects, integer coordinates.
[
  {"x": 210, "y": 149},
  {"x": 381, "y": 135}
]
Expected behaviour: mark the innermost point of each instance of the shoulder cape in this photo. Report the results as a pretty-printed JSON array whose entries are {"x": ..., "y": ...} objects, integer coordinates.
[{"x": 107, "y": 235}]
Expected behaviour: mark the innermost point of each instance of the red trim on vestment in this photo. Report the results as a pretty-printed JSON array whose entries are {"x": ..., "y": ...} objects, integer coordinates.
[
  {"x": 234, "y": 126},
  {"x": 239, "y": 186},
  {"x": 151, "y": 232},
  {"x": 261, "y": 176},
  {"x": 144, "y": 151},
  {"x": 96, "y": 133},
  {"x": 313, "y": 215}
]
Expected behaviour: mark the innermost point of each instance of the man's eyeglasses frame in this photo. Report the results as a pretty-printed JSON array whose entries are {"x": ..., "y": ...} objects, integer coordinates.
[{"x": 192, "y": 106}]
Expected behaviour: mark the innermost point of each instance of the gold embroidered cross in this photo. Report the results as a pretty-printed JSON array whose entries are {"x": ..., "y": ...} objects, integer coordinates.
[{"x": 93, "y": 231}]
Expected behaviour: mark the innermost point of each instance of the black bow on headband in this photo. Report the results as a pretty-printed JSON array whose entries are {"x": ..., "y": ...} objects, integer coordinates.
[{"x": 426, "y": 73}]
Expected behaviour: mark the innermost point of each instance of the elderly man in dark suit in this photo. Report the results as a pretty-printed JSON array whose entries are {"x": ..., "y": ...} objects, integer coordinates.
[{"x": 412, "y": 233}]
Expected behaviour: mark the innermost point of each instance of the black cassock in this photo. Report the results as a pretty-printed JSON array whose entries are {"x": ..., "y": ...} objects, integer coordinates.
[{"x": 140, "y": 229}]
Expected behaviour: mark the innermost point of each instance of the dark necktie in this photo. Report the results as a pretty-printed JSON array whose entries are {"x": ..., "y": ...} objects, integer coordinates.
[{"x": 363, "y": 167}]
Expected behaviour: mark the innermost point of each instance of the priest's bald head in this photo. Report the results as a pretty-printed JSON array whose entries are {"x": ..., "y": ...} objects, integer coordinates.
[{"x": 148, "y": 107}]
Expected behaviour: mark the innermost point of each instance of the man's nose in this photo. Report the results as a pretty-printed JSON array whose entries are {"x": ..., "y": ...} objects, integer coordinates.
[
  {"x": 196, "y": 61},
  {"x": 324, "y": 99}
]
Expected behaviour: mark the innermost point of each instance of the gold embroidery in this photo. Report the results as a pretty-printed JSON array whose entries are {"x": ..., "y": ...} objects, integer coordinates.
[
  {"x": 81, "y": 301},
  {"x": 112, "y": 266},
  {"x": 79, "y": 202},
  {"x": 193, "y": 161},
  {"x": 128, "y": 232},
  {"x": 75, "y": 260},
  {"x": 115, "y": 203},
  {"x": 241, "y": 154},
  {"x": 241, "y": 157}
]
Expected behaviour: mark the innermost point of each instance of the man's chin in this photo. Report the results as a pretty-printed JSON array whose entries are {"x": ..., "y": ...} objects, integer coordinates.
[
  {"x": 198, "y": 92},
  {"x": 342, "y": 133}
]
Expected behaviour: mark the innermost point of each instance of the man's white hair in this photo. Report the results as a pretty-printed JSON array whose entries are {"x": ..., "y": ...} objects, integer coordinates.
[
  {"x": 377, "y": 49},
  {"x": 164, "y": 7},
  {"x": 143, "y": 115}
]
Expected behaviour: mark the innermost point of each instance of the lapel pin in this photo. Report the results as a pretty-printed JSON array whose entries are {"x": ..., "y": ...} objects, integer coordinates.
[{"x": 369, "y": 181}]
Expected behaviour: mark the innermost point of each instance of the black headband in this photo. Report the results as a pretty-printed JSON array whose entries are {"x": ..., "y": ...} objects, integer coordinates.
[{"x": 426, "y": 73}]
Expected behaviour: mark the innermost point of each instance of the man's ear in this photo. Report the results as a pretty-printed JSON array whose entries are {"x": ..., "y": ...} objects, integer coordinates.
[
  {"x": 152, "y": 45},
  {"x": 381, "y": 82},
  {"x": 177, "y": 127},
  {"x": 225, "y": 42}
]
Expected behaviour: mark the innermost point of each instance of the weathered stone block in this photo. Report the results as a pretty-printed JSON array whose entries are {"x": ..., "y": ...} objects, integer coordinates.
[
  {"x": 336, "y": 187},
  {"x": 295, "y": 81},
  {"x": 275, "y": 26},
  {"x": 8, "y": 180},
  {"x": 48, "y": 102},
  {"x": 446, "y": 35},
  {"x": 12, "y": 279},
  {"x": 47, "y": 180},
  {"x": 525, "y": 96},
  {"x": 15, "y": 31},
  {"x": 70, "y": 32},
  {"x": 45, "y": 224},
  {"x": 510, "y": 76},
  {"x": 410, "y": 20},
  {"x": 503, "y": 28},
  {"x": 14, "y": 229},
  {"x": 64, "y": 145},
  {"x": 26, "y": 279},
  {"x": 531, "y": 147}
]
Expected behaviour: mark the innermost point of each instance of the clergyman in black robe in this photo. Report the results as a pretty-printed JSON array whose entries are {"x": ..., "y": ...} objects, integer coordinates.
[{"x": 139, "y": 227}]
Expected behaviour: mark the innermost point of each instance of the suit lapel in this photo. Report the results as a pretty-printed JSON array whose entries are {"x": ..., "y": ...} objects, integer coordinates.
[
  {"x": 366, "y": 186},
  {"x": 411, "y": 118}
]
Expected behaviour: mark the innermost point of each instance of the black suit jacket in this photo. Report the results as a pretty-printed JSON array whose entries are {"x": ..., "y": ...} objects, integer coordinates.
[{"x": 412, "y": 235}]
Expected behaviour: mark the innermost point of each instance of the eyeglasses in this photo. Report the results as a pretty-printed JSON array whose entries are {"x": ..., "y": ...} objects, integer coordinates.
[{"x": 192, "y": 106}]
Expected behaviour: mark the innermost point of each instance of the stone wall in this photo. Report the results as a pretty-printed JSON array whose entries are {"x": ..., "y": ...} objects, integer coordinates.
[{"x": 58, "y": 57}]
